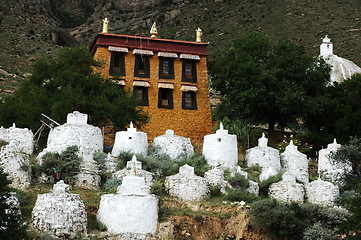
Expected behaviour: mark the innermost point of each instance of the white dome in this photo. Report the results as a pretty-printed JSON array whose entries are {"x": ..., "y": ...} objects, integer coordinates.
[{"x": 341, "y": 68}]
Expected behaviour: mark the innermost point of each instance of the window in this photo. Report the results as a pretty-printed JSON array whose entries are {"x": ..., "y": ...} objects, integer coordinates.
[
  {"x": 117, "y": 65},
  {"x": 165, "y": 98},
  {"x": 189, "y": 71},
  {"x": 141, "y": 93},
  {"x": 141, "y": 68},
  {"x": 166, "y": 68},
  {"x": 189, "y": 100}
]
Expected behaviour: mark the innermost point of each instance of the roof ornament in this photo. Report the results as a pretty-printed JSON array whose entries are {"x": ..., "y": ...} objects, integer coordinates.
[
  {"x": 153, "y": 31},
  {"x": 105, "y": 25},
  {"x": 198, "y": 35}
]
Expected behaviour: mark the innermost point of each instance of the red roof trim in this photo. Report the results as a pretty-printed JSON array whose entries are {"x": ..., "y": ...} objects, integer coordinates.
[{"x": 147, "y": 43}]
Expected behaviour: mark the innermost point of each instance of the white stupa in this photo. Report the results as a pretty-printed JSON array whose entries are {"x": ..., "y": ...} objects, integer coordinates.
[{"x": 341, "y": 68}]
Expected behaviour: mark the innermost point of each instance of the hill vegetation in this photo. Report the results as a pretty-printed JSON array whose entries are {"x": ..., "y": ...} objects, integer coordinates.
[{"x": 34, "y": 28}]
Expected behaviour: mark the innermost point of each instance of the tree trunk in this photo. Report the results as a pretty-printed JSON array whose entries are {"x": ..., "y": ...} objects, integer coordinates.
[{"x": 271, "y": 124}]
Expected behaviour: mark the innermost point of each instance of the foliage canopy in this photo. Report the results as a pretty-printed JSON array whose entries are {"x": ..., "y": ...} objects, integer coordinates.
[
  {"x": 269, "y": 84},
  {"x": 65, "y": 84}
]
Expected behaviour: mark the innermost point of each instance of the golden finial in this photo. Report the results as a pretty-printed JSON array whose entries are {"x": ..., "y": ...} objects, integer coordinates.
[
  {"x": 105, "y": 25},
  {"x": 153, "y": 31},
  {"x": 198, "y": 35}
]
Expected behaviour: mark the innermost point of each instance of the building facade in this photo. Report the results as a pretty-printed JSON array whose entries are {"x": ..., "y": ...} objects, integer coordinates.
[{"x": 168, "y": 77}]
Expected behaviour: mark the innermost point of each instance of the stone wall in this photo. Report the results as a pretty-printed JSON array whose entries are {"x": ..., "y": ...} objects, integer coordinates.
[
  {"x": 322, "y": 192},
  {"x": 193, "y": 124}
]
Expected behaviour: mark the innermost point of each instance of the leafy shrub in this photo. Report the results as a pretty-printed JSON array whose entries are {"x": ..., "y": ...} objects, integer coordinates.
[
  {"x": 23, "y": 196},
  {"x": 318, "y": 231},
  {"x": 123, "y": 158},
  {"x": 100, "y": 158},
  {"x": 101, "y": 226},
  {"x": 164, "y": 212},
  {"x": 157, "y": 187},
  {"x": 111, "y": 184},
  {"x": 264, "y": 185},
  {"x": 65, "y": 164},
  {"x": 241, "y": 195},
  {"x": 279, "y": 220},
  {"x": 238, "y": 181},
  {"x": 214, "y": 191}
]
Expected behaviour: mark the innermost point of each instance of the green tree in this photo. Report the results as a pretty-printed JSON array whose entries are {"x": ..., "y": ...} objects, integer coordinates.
[
  {"x": 10, "y": 227},
  {"x": 65, "y": 84},
  {"x": 342, "y": 115},
  {"x": 269, "y": 84}
]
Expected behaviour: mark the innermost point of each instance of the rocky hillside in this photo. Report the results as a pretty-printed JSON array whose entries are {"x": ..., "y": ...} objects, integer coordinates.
[{"x": 34, "y": 28}]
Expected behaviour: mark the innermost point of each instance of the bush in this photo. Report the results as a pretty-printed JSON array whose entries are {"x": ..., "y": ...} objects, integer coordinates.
[
  {"x": 123, "y": 158},
  {"x": 318, "y": 231},
  {"x": 111, "y": 184},
  {"x": 279, "y": 220},
  {"x": 238, "y": 181},
  {"x": 66, "y": 164},
  {"x": 23, "y": 196},
  {"x": 157, "y": 187},
  {"x": 100, "y": 158},
  {"x": 241, "y": 195},
  {"x": 264, "y": 185},
  {"x": 101, "y": 226}
]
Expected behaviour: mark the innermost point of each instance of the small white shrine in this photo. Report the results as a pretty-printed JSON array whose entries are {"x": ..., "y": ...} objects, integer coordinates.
[
  {"x": 21, "y": 139},
  {"x": 186, "y": 185},
  {"x": 341, "y": 68},
  {"x": 287, "y": 190},
  {"x": 130, "y": 141},
  {"x": 134, "y": 167},
  {"x": 295, "y": 162},
  {"x": 266, "y": 157},
  {"x": 60, "y": 213},
  {"x": 332, "y": 171},
  {"x": 220, "y": 149},
  {"x": 76, "y": 132},
  {"x": 176, "y": 147},
  {"x": 322, "y": 192},
  {"x": 132, "y": 211}
]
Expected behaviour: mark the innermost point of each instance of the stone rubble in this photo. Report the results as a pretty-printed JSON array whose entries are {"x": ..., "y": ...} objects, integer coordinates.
[
  {"x": 220, "y": 149},
  {"x": 295, "y": 163},
  {"x": 332, "y": 171},
  {"x": 132, "y": 212},
  {"x": 287, "y": 190},
  {"x": 186, "y": 185},
  {"x": 322, "y": 192},
  {"x": 134, "y": 167},
  {"x": 176, "y": 147},
  {"x": 60, "y": 213},
  {"x": 130, "y": 141},
  {"x": 266, "y": 157}
]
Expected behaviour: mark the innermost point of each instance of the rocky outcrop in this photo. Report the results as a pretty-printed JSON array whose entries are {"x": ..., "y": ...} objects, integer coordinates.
[{"x": 60, "y": 213}]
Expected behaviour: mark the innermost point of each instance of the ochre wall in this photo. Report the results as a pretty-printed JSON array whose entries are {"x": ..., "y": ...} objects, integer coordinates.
[{"x": 194, "y": 124}]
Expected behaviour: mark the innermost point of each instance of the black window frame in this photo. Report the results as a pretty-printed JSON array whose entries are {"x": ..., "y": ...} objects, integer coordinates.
[
  {"x": 171, "y": 68},
  {"x": 138, "y": 59},
  {"x": 193, "y": 99},
  {"x": 193, "y": 78},
  {"x": 145, "y": 101},
  {"x": 115, "y": 71},
  {"x": 170, "y": 97}
]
